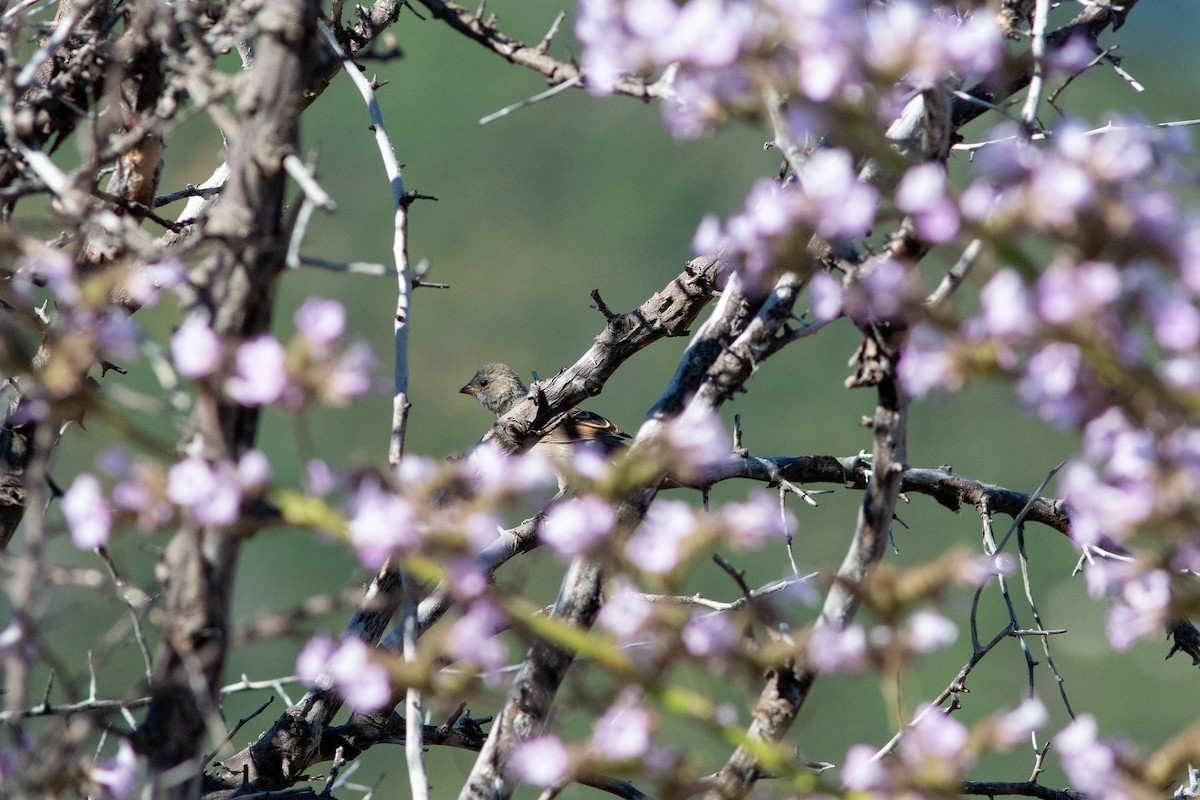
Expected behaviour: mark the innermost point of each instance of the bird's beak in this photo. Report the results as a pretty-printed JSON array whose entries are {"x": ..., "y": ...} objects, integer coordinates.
[{"x": 468, "y": 389}]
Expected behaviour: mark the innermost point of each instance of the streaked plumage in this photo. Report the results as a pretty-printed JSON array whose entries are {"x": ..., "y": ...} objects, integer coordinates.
[{"x": 498, "y": 388}]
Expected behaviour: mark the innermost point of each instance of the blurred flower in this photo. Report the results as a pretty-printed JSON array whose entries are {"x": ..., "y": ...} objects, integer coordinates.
[
  {"x": 253, "y": 469},
  {"x": 117, "y": 775},
  {"x": 1141, "y": 611},
  {"x": 1065, "y": 294},
  {"x": 543, "y": 761},
  {"x": 658, "y": 545},
  {"x": 825, "y": 296},
  {"x": 349, "y": 375},
  {"x": 759, "y": 520},
  {"x": 921, "y": 193},
  {"x": 709, "y": 634},
  {"x": 623, "y": 732},
  {"x": 839, "y": 204},
  {"x": 382, "y": 523},
  {"x": 1006, "y": 306},
  {"x": 838, "y": 650},
  {"x": 196, "y": 348},
  {"x": 472, "y": 637},
  {"x": 1052, "y": 383},
  {"x": 321, "y": 321},
  {"x": 88, "y": 515},
  {"x": 625, "y": 614},
  {"x": 577, "y": 526},
  {"x": 928, "y": 631},
  {"x": 142, "y": 283},
  {"x": 260, "y": 372},
  {"x": 862, "y": 772},
  {"x": 697, "y": 440},
  {"x": 319, "y": 476},
  {"x": 1089, "y": 764},
  {"x": 363, "y": 683},
  {"x": 212, "y": 493},
  {"x": 927, "y": 363},
  {"x": 936, "y": 742},
  {"x": 1017, "y": 725}
]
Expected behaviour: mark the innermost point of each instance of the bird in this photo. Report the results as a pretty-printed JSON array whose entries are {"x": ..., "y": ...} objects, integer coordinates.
[{"x": 498, "y": 388}]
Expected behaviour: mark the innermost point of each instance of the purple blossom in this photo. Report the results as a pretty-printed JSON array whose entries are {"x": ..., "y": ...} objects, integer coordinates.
[
  {"x": 1019, "y": 724},
  {"x": 824, "y": 69},
  {"x": 709, "y": 634},
  {"x": 1052, "y": 384},
  {"x": 591, "y": 462},
  {"x": 311, "y": 660},
  {"x": 1058, "y": 193},
  {"x": 1187, "y": 254},
  {"x": 825, "y": 296},
  {"x": 625, "y": 614},
  {"x": 383, "y": 523},
  {"x": 577, "y": 526},
  {"x": 1090, "y": 765},
  {"x": 757, "y": 521},
  {"x": 466, "y": 578},
  {"x": 116, "y": 776},
  {"x": 492, "y": 471},
  {"x": 318, "y": 477},
  {"x": 977, "y": 200},
  {"x": 839, "y": 204},
  {"x": 364, "y": 684},
  {"x": 974, "y": 45},
  {"x": 349, "y": 375},
  {"x": 623, "y": 732},
  {"x": 705, "y": 33},
  {"x": 117, "y": 333},
  {"x": 196, "y": 348},
  {"x": 1141, "y": 611},
  {"x": 481, "y": 529},
  {"x": 1177, "y": 323},
  {"x": 88, "y": 515},
  {"x": 838, "y": 650},
  {"x": 928, "y": 631},
  {"x": 143, "y": 283},
  {"x": 212, "y": 493},
  {"x": 936, "y": 738},
  {"x": 697, "y": 440},
  {"x": 660, "y": 543},
  {"x": 1066, "y": 294},
  {"x": 115, "y": 462},
  {"x": 260, "y": 372},
  {"x": 1100, "y": 509},
  {"x": 321, "y": 321},
  {"x": 543, "y": 761},
  {"x": 254, "y": 470},
  {"x": 862, "y": 772},
  {"x": 1007, "y": 308},
  {"x": 1105, "y": 576},
  {"x": 708, "y": 237},
  {"x": 921, "y": 193},
  {"x": 58, "y": 271},
  {"x": 414, "y": 470},
  {"x": 880, "y": 293},
  {"x": 142, "y": 494},
  {"x": 1181, "y": 372},
  {"x": 927, "y": 362},
  {"x": 472, "y": 637},
  {"x": 1074, "y": 55}
]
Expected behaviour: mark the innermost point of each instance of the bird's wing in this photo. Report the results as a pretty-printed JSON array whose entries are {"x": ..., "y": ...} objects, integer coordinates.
[{"x": 585, "y": 426}]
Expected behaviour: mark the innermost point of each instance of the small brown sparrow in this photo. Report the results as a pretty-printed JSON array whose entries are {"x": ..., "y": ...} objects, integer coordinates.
[{"x": 498, "y": 389}]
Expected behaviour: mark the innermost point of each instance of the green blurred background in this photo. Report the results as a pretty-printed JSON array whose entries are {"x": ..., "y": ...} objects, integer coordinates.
[{"x": 578, "y": 193}]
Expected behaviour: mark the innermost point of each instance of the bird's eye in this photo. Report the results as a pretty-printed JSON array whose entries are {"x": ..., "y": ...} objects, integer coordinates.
[{"x": 483, "y": 383}]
